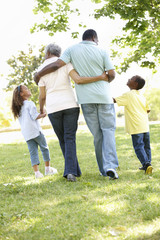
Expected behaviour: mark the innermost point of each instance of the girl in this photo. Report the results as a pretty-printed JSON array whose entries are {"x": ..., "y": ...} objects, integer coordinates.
[{"x": 27, "y": 114}]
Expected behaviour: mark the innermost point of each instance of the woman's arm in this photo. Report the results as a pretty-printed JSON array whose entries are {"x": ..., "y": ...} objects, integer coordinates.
[
  {"x": 42, "y": 98},
  {"x": 41, "y": 115},
  {"x": 82, "y": 80}
]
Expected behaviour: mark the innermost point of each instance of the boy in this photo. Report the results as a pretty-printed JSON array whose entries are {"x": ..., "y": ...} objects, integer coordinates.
[{"x": 136, "y": 121}]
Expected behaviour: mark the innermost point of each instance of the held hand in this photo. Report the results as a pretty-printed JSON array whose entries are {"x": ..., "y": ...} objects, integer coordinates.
[
  {"x": 36, "y": 78},
  {"x": 104, "y": 76},
  {"x": 42, "y": 111},
  {"x": 43, "y": 115}
]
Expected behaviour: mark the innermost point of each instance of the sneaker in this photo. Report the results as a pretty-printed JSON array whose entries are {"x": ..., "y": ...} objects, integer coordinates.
[
  {"x": 71, "y": 178},
  {"x": 112, "y": 174},
  {"x": 51, "y": 171},
  {"x": 38, "y": 175},
  {"x": 142, "y": 168},
  {"x": 148, "y": 169}
]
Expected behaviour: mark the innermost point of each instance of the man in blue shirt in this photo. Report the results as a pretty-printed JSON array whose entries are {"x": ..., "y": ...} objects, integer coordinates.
[{"x": 95, "y": 98}]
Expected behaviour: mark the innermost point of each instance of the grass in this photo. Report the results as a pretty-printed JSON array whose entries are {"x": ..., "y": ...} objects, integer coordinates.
[{"x": 91, "y": 208}]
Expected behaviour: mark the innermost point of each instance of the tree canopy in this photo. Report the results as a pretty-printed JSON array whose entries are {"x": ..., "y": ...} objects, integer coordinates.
[
  {"x": 23, "y": 67},
  {"x": 141, "y": 35},
  {"x": 141, "y": 30},
  {"x": 57, "y": 14}
]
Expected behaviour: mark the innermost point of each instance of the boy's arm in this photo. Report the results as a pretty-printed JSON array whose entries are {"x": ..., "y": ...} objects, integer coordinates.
[
  {"x": 48, "y": 69},
  {"x": 82, "y": 80}
]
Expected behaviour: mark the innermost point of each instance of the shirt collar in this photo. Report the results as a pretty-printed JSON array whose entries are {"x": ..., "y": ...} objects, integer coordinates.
[{"x": 88, "y": 42}]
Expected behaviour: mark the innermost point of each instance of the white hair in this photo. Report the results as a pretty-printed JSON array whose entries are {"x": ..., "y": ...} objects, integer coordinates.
[{"x": 53, "y": 49}]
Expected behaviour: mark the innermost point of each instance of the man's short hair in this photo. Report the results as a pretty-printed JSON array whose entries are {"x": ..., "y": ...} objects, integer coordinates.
[
  {"x": 140, "y": 81},
  {"x": 89, "y": 34},
  {"x": 53, "y": 49}
]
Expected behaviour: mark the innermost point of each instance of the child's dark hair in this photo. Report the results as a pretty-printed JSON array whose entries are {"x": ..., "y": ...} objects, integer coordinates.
[
  {"x": 140, "y": 81},
  {"x": 17, "y": 102}
]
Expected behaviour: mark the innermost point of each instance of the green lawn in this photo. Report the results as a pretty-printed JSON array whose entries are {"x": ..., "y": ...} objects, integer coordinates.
[{"x": 91, "y": 208}]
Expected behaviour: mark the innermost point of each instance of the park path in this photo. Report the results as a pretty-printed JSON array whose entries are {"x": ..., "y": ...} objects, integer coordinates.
[{"x": 16, "y": 136}]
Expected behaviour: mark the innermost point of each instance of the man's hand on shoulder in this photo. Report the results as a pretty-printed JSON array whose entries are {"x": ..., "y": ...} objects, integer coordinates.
[
  {"x": 111, "y": 75},
  {"x": 104, "y": 76}
]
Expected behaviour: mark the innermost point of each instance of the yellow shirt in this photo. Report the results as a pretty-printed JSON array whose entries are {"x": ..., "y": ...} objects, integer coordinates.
[{"x": 135, "y": 111}]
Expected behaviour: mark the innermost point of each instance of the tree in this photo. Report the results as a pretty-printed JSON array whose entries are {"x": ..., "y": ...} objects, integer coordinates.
[
  {"x": 153, "y": 99},
  {"x": 141, "y": 36},
  {"x": 23, "y": 67},
  {"x": 141, "y": 30},
  {"x": 57, "y": 16}
]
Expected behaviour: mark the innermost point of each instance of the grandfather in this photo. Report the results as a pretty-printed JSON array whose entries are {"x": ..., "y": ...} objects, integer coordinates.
[{"x": 95, "y": 98}]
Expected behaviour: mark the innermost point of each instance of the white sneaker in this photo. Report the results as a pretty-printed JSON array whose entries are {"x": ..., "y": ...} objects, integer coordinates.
[
  {"x": 51, "y": 171},
  {"x": 112, "y": 174},
  {"x": 38, "y": 175}
]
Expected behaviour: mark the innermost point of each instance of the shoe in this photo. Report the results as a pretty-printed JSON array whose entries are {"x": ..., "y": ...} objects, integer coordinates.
[
  {"x": 38, "y": 175},
  {"x": 51, "y": 171},
  {"x": 71, "y": 178},
  {"x": 142, "y": 168},
  {"x": 112, "y": 174},
  {"x": 148, "y": 169}
]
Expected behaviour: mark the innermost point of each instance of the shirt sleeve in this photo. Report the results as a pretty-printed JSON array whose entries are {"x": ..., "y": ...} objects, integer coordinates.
[
  {"x": 122, "y": 100},
  {"x": 42, "y": 82},
  {"x": 33, "y": 111},
  {"x": 107, "y": 62},
  {"x": 66, "y": 56},
  {"x": 69, "y": 67}
]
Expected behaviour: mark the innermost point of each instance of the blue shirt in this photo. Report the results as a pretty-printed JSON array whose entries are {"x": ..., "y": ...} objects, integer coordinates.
[
  {"x": 30, "y": 127},
  {"x": 89, "y": 60}
]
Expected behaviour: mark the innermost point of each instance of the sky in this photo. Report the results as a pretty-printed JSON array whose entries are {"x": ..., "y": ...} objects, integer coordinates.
[{"x": 16, "y": 19}]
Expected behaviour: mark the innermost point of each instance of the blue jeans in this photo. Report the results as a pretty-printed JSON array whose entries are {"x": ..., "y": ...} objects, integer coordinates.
[
  {"x": 65, "y": 125},
  {"x": 33, "y": 149},
  {"x": 141, "y": 144},
  {"x": 100, "y": 119}
]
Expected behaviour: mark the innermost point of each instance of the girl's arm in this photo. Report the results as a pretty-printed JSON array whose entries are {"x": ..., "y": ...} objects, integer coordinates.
[{"x": 82, "y": 80}]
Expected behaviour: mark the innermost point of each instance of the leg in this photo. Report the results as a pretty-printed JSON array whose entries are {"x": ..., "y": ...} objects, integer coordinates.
[
  {"x": 56, "y": 120},
  {"x": 90, "y": 113},
  {"x": 35, "y": 168},
  {"x": 107, "y": 121},
  {"x": 138, "y": 144},
  {"x": 147, "y": 146},
  {"x": 33, "y": 150},
  {"x": 41, "y": 141},
  {"x": 70, "y": 124}
]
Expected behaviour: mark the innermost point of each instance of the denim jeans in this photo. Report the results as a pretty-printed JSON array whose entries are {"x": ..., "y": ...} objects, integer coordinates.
[
  {"x": 141, "y": 144},
  {"x": 65, "y": 125},
  {"x": 33, "y": 149},
  {"x": 100, "y": 119}
]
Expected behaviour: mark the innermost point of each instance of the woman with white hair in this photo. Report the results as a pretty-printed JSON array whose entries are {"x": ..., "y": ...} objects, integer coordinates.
[{"x": 62, "y": 108}]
